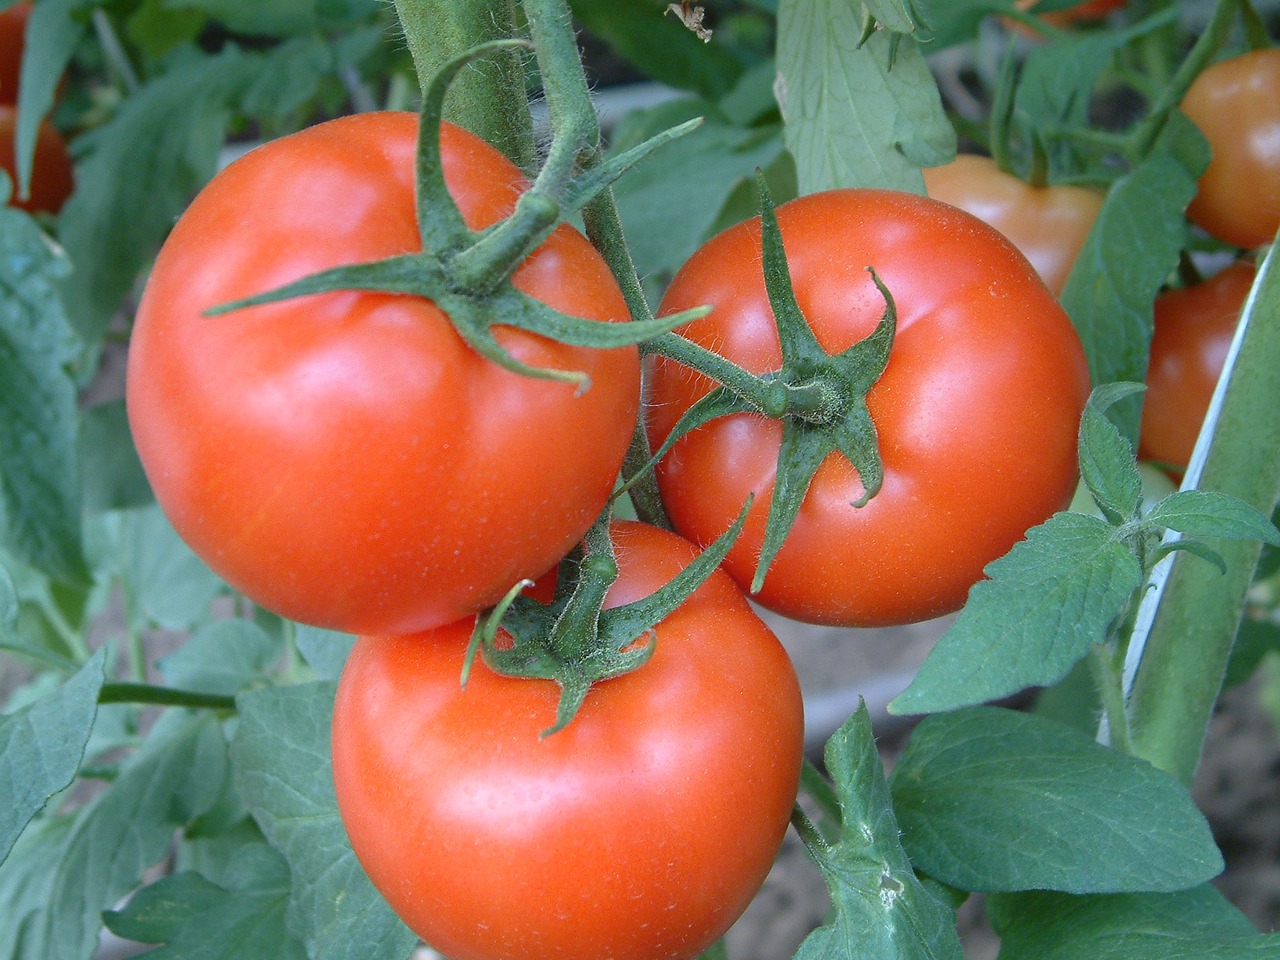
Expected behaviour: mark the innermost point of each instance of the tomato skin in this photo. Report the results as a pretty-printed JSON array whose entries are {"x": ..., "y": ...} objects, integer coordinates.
[
  {"x": 52, "y": 179},
  {"x": 13, "y": 28},
  {"x": 345, "y": 459},
  {"x": 1194, "y": 327},
  {"x": 1048, "y": 224},
  {"x": 1236, "y": 105},
  {"x": 639, "y": 831},
  {"x": 977, "y": 411}
]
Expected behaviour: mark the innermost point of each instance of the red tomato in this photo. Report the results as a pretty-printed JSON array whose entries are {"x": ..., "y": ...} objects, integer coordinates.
[
  {"x": 1193, "y": 331},
  {"x": 1089, "y": 10},
  {"x": 13, "y": 27},
  {"x": 1236, "y": 104},
  {"x": 640, "y": 831},
  {"x": 345, "y": 459},
  {"x": 51, "y": 173},
  {"x": 977, "y": 412},
  {"x": 1048, "y": 224}
]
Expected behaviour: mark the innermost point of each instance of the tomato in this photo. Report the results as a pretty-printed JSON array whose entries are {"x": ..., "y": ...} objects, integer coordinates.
[
  {"x": 1080, "y": 12},
  {"x": 51, "y": 172},
  {"x": 345, "y": 459},
  {"x": 639, "y": 831},
  {"x": 1194, "y": 327},
  {"x": 1236, "y": 104},
  {"x": 13, "y": 28},
  {"x": 977, "y": 411},
  {"x": 1049, "y": 224}
]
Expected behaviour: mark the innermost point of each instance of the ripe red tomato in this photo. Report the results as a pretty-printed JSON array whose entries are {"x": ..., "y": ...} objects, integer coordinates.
[
  {"x": 1236, "y": 104},
  {"x": 13, "y": 27},
  {"x": 977, "y": 411},
  {"x": 51, "y": 172},
  {"x": 345, "y": 459},
  {"x": 1080, "y": 12},
  {"x": 1048, "y": 224},
  {"x": 1193, "y": 331},
  {"x": 640, "y": 831}
]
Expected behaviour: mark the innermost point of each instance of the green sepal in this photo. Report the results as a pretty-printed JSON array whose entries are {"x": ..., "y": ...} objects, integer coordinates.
[
  {"x": 573, "y": 640},
  {"x": 590, "y": 182}
]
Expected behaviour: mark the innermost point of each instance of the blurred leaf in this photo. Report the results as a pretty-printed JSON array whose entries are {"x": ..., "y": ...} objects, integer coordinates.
[
  {"x": 111, "y": 474},
  {"x": 26, "y": 878},
  {"x": 51, "y": 39},
  {"x": 955, "y": 21},
  {"x": 41, "y": 746},
  {"x": 1195, "y": 924},
  {"x": 156, "y": 28},
  {"x": 39, "y": 489},
  {"x": 200, "y": 920},
  {"x": 225, "y": 657},
  {"x": 882, "y": 911},
  {"x": 996, "y": 800},
  {"x": 281, "y": 754},
  {"x": 324, "y": 650},
  {"x": 1254, "y": 640},
  {"x": 1047, "y": 602},
  {"x": 866, "y": 115},
  {"x": 277, "y": 18},
  {"x": 126, "y": 830}
]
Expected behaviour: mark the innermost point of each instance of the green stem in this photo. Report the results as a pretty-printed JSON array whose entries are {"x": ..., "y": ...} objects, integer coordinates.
[
  {"x": 1111, "y": 693},
  {"x": 1255, "y": 29},
  {"x": 146, "y": 693},
  {"x": 1188, "y": 620},
  {"x": 489, "y": 97}
]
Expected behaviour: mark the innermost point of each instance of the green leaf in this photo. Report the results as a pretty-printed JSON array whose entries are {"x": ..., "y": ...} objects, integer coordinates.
[
  {"x": 324, "y": 650},
  {"x": 882, "y": 911},
  {"x": 138, "y": 174},
  {"x": 1107, "y": 463},
  {"x": 111, "y": 475},
  {"x": 39, "y": 493},
  {"x": 41, "y": 746},
  {"x": 857, "y": 115},
  {"x": 1130, "y": 252},
  {"x": 26, "y": 878},
  {"x": 1254, "y": 640},
  {"x": 1204, "y": 513},
  {"x": 268, "y": 18},
  {"x": 902, "y": 16},
  {"x": 1195, "y": 924},
  {"x": 1000, "y": 801},
  {"x": 695, "y": 174},
  {"x": 200, "y": 920},
  {"x": 1047, "y": 602},
  {"x": 127, "y": 829},
  {"x": 52, "y": 35},
  {"x": 225, "y": 656},
  {"x": 956, "y": 21},
  {"x": 281, "y": 753}
]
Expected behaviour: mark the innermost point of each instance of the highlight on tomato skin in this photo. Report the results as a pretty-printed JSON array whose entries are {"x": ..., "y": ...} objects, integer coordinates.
[
  {"x": 1194, "y": 327},
  {"x": 639, "y": 831},
  {"x": 977, "y": 412},
  {"x": 1236, "y": 104}
]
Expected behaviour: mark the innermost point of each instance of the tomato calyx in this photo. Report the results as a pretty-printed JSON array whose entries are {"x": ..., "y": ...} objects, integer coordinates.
[
  {"x": 573, "y": 639},
  {"x": 820, "y": 398},
  {"x": 468, "y": 274}
]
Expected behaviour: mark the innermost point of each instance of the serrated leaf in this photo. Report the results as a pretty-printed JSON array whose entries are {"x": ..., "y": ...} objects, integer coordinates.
[
  {"x": 1205, "y": 513},
  {"x": 1196, "y": 924},
  {"x": 126, "y": 830},
  {"x": 224, "y": 657},
  {"x": 324, "y": 650},
  {"x": 1047, "y": 602},
  {"x": 882, "y": 911},
  {"x": 41, "y": 746},
  {"x": 1107, "y": 462},
  {"x": 283, "y": 767},
  {"x": 996, "y": 800},
  {"x": 1130, "y": 252},
  {"x": 856, "y": 115},
  {"x": 39, "y": 492},
  {"x": 199, "y": 920}
]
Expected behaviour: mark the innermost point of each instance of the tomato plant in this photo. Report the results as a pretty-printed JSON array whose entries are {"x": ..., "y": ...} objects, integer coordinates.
[
  {"x": 976, "y": 412},
  {"x": 1194, "y": 326},
  {"x": 1234, "y": 104},
  {"x": 641, "y": 830},
  {"x": 13, "y": 26},
  {"x": 1049, "y": 224},
  {"x": 51, "y": 174},
  {"x": 346, "y": 459}
]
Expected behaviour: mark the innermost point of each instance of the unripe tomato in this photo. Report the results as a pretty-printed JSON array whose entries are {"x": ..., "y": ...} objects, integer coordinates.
[
  {"x": 1236, "y": 105},
  {"x": 640, "y": 831},
  {"x": 51, "y": 174},
  {"x": 1194, "y": 327},
  {"x": 1048, "y": 224}
]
